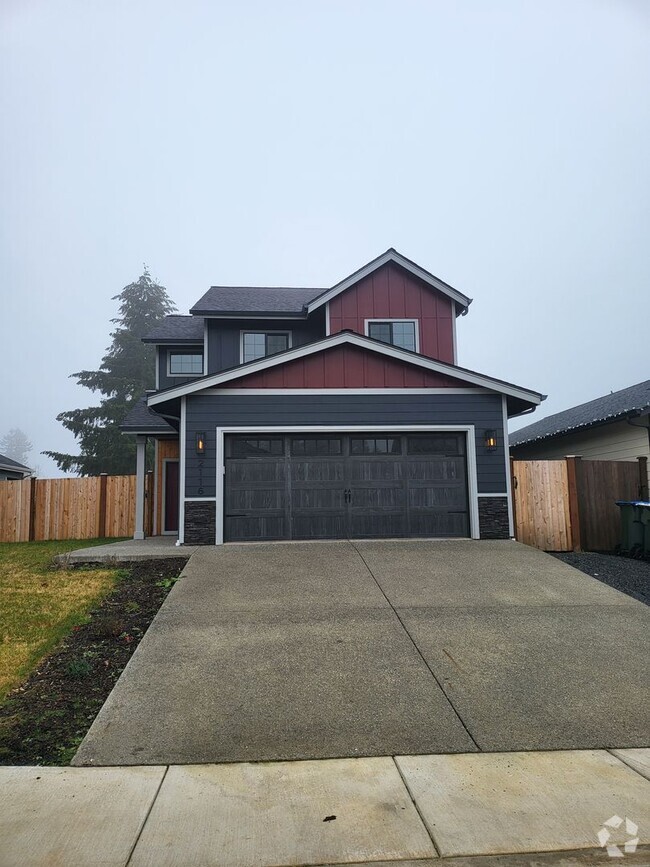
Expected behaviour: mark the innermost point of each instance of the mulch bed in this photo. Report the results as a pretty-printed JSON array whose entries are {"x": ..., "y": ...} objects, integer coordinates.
[
  {"x": 623, "y": 573},
  {"x": 43, "y": 721}
]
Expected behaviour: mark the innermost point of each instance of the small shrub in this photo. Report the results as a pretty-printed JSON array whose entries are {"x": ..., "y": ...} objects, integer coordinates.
[{"x": 78, "y": 668}]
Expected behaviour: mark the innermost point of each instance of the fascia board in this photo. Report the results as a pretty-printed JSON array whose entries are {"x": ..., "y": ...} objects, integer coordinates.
[
  {"x": 173, "y": 341},
  {"x": 249, "y": 314},
  {"x": 390, "y": 256},
  {"x": 355, "y": 340}
]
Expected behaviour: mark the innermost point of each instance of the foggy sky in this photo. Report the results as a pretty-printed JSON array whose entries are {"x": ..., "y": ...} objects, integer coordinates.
[{"x": 504, "y": 146}]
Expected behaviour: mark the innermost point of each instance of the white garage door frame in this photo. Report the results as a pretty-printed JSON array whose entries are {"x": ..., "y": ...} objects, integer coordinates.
[{"x": 468, "y": 430}]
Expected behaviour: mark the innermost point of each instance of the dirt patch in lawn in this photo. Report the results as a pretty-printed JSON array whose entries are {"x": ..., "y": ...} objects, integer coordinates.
[{"x": 44, "y": 719}]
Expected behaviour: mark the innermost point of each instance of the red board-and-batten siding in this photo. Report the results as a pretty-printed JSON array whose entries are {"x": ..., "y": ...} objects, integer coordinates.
[
  {"x": 345, "y": 367},
  {"x": 392, "y": 293}
]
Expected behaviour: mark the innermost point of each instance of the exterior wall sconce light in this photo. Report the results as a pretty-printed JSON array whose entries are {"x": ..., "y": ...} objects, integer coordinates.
[
  {"x": 490, "y": 440},
  {"x": 200, "y": 443}
]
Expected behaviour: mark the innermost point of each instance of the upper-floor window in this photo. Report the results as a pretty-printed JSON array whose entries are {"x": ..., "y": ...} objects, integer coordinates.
[
  {"x": 397, "y": 332},
  {"x": 185, "y": 363},
  {"x": 259, "y": 344}
]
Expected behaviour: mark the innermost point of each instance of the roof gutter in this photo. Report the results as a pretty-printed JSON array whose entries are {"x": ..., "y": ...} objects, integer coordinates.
[{"x": 595, "y": 423}]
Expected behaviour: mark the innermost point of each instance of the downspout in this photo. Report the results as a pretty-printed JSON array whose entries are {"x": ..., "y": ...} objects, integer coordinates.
[
  {"x": 646, "y": 427},
  {"x": 643, "y": 483}
]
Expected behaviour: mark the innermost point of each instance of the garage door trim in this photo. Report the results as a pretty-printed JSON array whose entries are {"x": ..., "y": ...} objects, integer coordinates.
[{"x": 468, "y": 430}]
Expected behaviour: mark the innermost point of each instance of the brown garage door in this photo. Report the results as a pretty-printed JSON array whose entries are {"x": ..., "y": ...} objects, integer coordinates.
[{"x": 337, "y": 486}]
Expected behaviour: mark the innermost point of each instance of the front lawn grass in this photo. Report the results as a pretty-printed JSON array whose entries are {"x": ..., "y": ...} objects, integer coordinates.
[{"x": 40, "y": 603}]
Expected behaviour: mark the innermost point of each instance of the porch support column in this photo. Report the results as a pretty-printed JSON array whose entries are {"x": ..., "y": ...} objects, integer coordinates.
[{"x": 141, "y": 445}]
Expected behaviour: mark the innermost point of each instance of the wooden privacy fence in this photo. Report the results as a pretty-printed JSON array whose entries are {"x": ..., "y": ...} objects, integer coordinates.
[
  {"x": 85, "y": 508},
  {"x": 570, "y": 504}
]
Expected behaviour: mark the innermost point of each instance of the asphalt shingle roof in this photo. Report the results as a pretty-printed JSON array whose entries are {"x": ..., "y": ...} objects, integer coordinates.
[
  {"x": 632, "y": 401},
  {"x": 254, "y": 299},
  {"x": 177, "y": 329},
  {"x": 142, "y": 418},
  {"x": 10, "y": 464}
]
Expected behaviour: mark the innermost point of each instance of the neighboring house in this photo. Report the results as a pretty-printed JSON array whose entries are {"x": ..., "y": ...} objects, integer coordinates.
[
  {"x": 326, "y": 413},
  {"x": 11, "y": 470},
  {"x": 615, "y": 427}
]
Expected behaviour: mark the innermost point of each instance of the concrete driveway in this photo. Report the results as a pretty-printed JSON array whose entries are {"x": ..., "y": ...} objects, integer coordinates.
[{"x": 315, "y": 650}]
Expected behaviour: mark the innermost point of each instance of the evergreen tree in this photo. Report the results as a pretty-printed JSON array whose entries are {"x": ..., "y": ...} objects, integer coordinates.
[
  {"x": 126, "y": 372},
  {"x": 15, "y": 445}
]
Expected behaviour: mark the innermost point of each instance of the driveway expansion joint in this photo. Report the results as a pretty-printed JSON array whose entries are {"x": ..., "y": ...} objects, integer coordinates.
[{"x": 419, "y": 652}]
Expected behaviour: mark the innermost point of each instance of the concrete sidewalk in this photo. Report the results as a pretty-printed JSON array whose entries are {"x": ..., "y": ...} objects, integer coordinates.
[
  {"x": 404, "y": 810},
  {"x": 129, "y": 551}
]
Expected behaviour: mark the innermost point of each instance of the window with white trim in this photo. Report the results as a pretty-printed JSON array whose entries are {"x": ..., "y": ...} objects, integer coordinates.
[
  {"x": 185, "y": 363},
  {"x": 397, "y": 332},
  {"x": 259, "y": 344}
]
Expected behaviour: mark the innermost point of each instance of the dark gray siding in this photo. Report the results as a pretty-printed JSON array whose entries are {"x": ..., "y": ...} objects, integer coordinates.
[
  {"x": 165, "y": 381},
  {"x": 207, "y": 412},
  {"x": 224, "y": 336}
]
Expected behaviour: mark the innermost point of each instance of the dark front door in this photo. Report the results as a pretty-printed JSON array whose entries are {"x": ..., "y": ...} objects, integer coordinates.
[
  {"x": 170, "y": 521},
  {"x": 334, "y": 486}
]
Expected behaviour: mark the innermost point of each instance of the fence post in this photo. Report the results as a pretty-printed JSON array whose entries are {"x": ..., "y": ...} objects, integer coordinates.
[
  {"x": 574, "y": 500},
  {"x": 149, "y": 499},
  {"x": 513, "y": 489},
  {"x": 101, "y": 529},
  {"x": 32, "y": 509},
  {"x": 643, "y": 477}
]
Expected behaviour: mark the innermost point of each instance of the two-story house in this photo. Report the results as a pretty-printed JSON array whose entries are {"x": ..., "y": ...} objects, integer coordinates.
[{"x": 326, "y": 413}]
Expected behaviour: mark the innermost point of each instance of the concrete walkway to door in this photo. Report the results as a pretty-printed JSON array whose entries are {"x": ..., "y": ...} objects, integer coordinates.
[{"x": 370, "y": 648}]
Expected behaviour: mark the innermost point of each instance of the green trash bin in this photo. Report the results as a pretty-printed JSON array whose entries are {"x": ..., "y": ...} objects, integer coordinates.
[
  {"x": 644, "y": 518},
  {"x": 635, "y": 526}
]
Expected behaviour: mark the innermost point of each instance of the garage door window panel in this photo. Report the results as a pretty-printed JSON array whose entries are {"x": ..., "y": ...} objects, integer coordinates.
[
  {"x": 316, "y": 446},
  {"x": 375, "y": 446},
  {"x": 435, "y": 444}
]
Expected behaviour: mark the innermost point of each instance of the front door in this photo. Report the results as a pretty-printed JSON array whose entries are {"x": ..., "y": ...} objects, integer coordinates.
[
  {"x": 170, "y": 520},
  {"x": 334, "y": 486}
]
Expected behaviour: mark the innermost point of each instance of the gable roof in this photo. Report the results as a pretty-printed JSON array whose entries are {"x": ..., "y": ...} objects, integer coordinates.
[
  {"x": 262, "y": 300},
  {"x": 391, "y": 255},
  {"x": 527, "y": 397},
  {"x": 10, "y": 464},
  {"x": 628, "y": 402},
  {"x": 265, "y": 301},
  {"x": 177, "y": 329}
]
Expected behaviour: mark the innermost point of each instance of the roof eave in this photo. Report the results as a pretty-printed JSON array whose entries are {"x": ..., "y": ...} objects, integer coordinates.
[
  {"x": 249, "y": 314},
  {"x": 174, "y": 341},
  {"x": 527, "y": 396},
  {"x": 13, "y": 468},
  {"x": 610, "y": 419},
  {"x": 138, "y": 431},
  {"x": 461, "y": 301}
]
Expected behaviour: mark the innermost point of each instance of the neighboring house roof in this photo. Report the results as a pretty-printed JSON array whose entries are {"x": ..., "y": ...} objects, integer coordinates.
[
  {"x": 267, "y": 301},
  {"x": 142, "y": 420},
  {"x": 177, "y": 329},
  {"x": 470, "y": 377},
  {"x": 391, "y": 255},
  {"x": 628, "y": 402},
  {"x": 263, "y": 300},
  {"x": 13, "y": 466}
]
